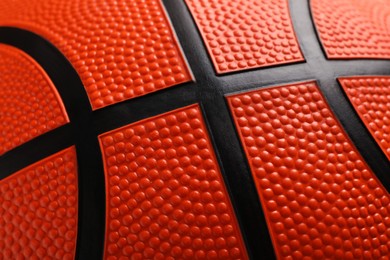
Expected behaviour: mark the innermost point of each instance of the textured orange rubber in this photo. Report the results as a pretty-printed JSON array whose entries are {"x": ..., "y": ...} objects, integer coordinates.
[
  {"x": 120, "y": 50},
  {"x": 38, "y": 210},
  {"x": 304, "y": 182},
  {"x": 166, "y": 198},
  {"x": 353, "y": 28},
  {"x": 246, "y": 34},
  {"x": 319, "y": 196},
  {"x": 371, "y": 98},
  {"x": 30, "y": 104}
]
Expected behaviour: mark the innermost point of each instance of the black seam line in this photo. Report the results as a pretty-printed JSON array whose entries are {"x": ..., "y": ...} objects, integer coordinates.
[
  {"x": 35, "y": 150},
  {"x": 228, "y": 150},
  {"x": 222, "y": 131},
  {"x": 326, "y": 73},
  {"x": 238, "y": 181},
  {"x": 298, "y": 72},
  {"x": 131, "y": 111},
  {"x": 91, "y": 212},
  {"x": 208, "y": 91},
  {"x": 83, "y": 132}
]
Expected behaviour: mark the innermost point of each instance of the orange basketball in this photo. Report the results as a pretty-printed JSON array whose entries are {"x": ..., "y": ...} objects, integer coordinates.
[{"x": 194, "y": 129}]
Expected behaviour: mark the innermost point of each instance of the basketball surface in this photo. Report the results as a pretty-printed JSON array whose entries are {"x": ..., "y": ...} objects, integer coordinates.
[{"x": 194, "y": 129}]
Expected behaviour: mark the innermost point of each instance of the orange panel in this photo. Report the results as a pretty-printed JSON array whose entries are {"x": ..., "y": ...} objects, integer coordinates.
[
  {"x": 121, "y": 49},
  {"x": 352, "y": 29},
  {"x": 246, "y": 34},
  {"x": 30, "y": 104},
  {"x": 320, "y": 198},
  {"x": 38, "y": 210},
  {"x": 371, "y": 98},
  {"x": 166, "y": 198}
]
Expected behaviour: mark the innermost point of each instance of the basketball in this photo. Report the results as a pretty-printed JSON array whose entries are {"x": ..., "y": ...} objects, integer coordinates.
[{"x": 194, "y": 129}]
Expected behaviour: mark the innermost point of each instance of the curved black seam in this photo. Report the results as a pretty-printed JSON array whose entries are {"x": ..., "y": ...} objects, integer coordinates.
[
  {"x": 91, "y": 209},
  {"x": 35, "y": 150},
  {"x": 201, "y": 63},
  {"x": 231, "y": 159},
  {"x": 326, "y": 72},
  {"x": 209, "y": 91}
]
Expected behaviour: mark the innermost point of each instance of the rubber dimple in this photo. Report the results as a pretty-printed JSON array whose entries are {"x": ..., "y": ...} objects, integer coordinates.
[
  {"x": 370, "y": 97},
  {"x": 246, "y": 34},
  {"x": 121, "y": 49},
  {"x": 38, "y": 210},
  {"x": 320, "y": 198},
  {"x": 166, "y": 197},
  {"x": 30, "y": 103},
  {"x": 352, "y": 29}
]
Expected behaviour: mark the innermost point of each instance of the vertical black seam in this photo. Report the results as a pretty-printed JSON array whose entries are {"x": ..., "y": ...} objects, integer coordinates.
[
  {"x": 326, "y": 74},
  {"x": 208, "y": 90},
  {"x": 225, "y": 142}
]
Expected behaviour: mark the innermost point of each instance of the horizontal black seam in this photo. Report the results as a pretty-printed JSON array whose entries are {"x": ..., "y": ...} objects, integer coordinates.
[{"x": 208, "y": 90}]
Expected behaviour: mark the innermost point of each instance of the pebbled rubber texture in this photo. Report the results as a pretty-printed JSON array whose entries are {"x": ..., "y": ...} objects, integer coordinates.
[
  {"x": 30, "y": 104},
  {"x": 246, "y": 34},
  {"x": 207, "y": 89},
  {"x": 121, "y": 50},
  {"x": 370, "y": 97},
  {"x": 320, "y": 198},
  {"x": 352, "y": 29},
  {"x": 166, "y": 197},
  {"x": 38, "y": 210}
]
